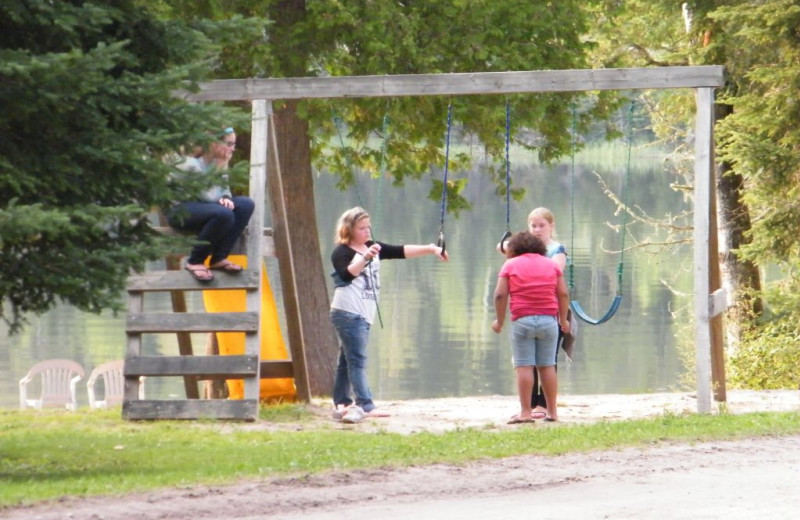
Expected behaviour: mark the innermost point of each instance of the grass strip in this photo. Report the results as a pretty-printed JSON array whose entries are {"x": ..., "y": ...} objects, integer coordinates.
[{"x": 45, "y": 455}]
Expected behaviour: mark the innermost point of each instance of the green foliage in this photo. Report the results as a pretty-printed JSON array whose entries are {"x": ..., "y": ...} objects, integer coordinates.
[
  {"x": 44, "y": 453},
  {"x": 454, "y": 37},
  {"x": 757, "y": 139},
  {"x": 769, "y": 354},
  {"x": 88, "y": 118},
  {"x": 386, "y": 37},
  {"x": 761, "y": 137},
  {"x": 362, "y": 37}
]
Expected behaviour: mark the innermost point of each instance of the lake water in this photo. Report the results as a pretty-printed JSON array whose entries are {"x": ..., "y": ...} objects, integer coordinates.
[{"x": 436, "y": 339}]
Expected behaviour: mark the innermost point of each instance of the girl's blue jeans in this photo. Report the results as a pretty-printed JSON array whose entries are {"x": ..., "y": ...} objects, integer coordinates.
[
  {"x": 217, "y": 227},
  {"x": 351, "y": 370}
]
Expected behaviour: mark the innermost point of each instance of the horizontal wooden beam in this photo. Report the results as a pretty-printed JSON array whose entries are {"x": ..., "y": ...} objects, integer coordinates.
[
  {"x": 458, "y": 84},
  {"x": 163, "y": 281},
  {"x": 231, "y": 409},
  {"x": 205, "y": 367},
  {"x": 192, "y": 322}
]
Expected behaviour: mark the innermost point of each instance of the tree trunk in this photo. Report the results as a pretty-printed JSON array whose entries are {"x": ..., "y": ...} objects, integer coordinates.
[
  {"x": 294, "y": 154},
  {"x": 741, "y": 278}
]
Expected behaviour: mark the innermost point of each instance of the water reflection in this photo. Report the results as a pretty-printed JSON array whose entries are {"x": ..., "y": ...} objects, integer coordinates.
[{"x": 436, "y": 340}]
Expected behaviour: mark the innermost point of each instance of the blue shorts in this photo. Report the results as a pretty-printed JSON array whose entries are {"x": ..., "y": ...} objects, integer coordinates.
[{"x": 534, "y": 340}]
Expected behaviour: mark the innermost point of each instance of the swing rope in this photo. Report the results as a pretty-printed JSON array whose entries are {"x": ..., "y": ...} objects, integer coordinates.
[
  {"x": 381, "y": 169},
  {"x": 384, "y": 130},
  {"x": 441, "y": 242},
  {"x": 575, "y": 305},
  {"x": 507, "y": 234}
]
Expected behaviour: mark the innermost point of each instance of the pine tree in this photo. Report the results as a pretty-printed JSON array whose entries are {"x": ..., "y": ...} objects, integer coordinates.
[{"x": 89, "y": 119}]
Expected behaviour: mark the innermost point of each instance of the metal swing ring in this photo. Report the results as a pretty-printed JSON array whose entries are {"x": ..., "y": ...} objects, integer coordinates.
[{"x": 506, "y": 236}]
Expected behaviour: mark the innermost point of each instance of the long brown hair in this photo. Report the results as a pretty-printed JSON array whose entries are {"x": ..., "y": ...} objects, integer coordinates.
[{"x": 346, "y": 223}]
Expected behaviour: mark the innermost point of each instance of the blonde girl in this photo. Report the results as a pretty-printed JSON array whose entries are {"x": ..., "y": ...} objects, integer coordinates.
[{"x": 356, "y": 272}]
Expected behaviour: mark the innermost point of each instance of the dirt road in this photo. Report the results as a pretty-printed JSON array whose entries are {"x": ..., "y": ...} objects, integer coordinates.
[{"x": 742, "y": 479}]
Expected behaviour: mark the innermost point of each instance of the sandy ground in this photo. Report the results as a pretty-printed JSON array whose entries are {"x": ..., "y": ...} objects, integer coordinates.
[
  {"x": 438, "y": 415},
  {"x": 743, "y": 479}
]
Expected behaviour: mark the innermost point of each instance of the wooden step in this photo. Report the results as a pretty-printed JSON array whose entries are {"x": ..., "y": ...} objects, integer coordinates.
[
  {"x": 202, "y": 367},
  {"x": 192, "y": 322},
  {"x": 163, "y": 281},
  {"x": 225, "y": 409}
]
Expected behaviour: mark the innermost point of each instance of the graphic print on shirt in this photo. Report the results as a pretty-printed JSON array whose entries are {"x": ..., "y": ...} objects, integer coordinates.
[{"x": 371, "y": 280}]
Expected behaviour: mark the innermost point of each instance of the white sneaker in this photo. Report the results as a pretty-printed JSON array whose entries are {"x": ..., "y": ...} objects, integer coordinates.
[
  {"x": 338, "y": 412},
  {"x": 353, "y": 415}
]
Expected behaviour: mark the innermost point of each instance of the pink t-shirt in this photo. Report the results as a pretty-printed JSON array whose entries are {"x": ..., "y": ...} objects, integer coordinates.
[{"x": 532, "y": 283}]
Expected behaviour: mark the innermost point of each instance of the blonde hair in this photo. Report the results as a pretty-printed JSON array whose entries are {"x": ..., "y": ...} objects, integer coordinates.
[
  {"x": 545, "y": 214},
  {"x": 346, "y": 223}
]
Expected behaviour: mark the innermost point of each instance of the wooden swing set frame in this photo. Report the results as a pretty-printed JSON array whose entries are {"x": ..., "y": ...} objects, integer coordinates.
[{"x": 709, "y": 298}]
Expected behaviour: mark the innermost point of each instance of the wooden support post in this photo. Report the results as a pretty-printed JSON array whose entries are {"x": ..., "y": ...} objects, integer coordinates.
[
  {"x": 255, "y": 233},
  {"x": 702, "y": 78},
  {"x": 178, "y": 298},
  {"x": 133, "y": 348},
  {"x": 284, "y": 248},
  {"x": 704, "y": 138},
  {"x": 214, "y": 388},
  {"x": 718, "y": 382}
]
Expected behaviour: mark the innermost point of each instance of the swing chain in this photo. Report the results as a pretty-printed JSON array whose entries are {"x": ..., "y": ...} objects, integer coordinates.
[
  {"x": 507, "y": 234},
  {"x": 615, "y": 304},
  {"x": 441, "y": 242}
]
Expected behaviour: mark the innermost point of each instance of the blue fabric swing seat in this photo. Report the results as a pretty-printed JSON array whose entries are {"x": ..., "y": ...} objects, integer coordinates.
[{"x": 578, "y": 310}]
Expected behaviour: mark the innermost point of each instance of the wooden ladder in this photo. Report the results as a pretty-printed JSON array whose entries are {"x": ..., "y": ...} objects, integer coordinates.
[
  {"x": 244, "y": 366},
  {"x": 248, "y": 366}
]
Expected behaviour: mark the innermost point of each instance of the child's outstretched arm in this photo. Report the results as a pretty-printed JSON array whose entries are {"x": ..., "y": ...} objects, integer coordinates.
[{"x": 413, "y": 251}]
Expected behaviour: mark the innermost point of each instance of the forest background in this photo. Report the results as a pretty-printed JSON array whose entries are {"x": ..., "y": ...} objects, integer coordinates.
[{"x": 90, "y": 126}]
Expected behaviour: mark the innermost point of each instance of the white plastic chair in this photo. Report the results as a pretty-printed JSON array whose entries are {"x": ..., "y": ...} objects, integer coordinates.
[
  {"x": 113, "y": 384},
  {"x": 59, "y": 378}
]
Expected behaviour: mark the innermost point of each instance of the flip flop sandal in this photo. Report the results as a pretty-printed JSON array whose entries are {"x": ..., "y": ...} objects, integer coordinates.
[
  {"x": 227, "y": 266},
  {"x": 516, "y": 419},
  {"x": 200, "y": 273}
]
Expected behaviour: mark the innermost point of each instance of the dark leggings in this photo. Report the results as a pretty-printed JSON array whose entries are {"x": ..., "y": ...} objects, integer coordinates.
[{"x": 537, "y": 396}]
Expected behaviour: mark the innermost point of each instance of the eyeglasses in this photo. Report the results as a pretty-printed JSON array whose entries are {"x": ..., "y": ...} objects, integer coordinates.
[{"x": 229, "y": 144}]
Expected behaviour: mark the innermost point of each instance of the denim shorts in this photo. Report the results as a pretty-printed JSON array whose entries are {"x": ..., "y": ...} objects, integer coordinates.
[{"x": 534, "y": 340}]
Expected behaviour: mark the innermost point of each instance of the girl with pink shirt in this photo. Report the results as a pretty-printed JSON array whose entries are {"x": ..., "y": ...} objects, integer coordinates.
[{"x": 535, "y": 287}]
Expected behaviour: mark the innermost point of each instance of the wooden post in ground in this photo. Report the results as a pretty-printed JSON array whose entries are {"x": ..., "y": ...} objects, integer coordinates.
[
  {"x": 214, "y": 388},
  {"x": 704, "y": 79},
  {"x": 704, "y": 138},
  {"x": 284, "y": 249},
  {"x": 718, "y": 380}
]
